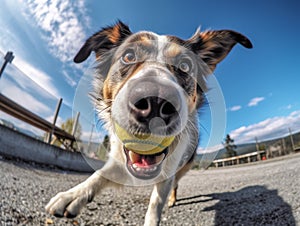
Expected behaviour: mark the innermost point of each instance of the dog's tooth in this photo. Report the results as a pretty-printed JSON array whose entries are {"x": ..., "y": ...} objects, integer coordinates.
[
  {"x": 134, "y": 166},
  {"x": 133, "y": 156},
  {"x": 153, "y": 169},
  {"x": 159, "y": 158}
]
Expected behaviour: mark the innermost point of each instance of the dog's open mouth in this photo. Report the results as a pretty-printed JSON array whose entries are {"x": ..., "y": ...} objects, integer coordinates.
[{"x": 145, "y": 166}]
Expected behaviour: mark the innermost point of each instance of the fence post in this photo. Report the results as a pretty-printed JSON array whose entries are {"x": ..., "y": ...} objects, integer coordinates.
[
  {"x": 7, "y": 59},
  {"x": 54, "y": 120}
]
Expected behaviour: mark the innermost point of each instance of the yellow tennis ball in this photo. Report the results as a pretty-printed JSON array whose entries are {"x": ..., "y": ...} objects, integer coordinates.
[{"x": 144, "y": 144}]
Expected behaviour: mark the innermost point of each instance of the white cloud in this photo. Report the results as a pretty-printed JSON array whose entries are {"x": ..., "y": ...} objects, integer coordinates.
[
  {"x": 21, "y": 124},
  {"x": 96, "y": 137},
  {"x": 289, "y": 107},
  {"x": 25, "y": 99},
  {"x": 59, "y": 120},
  {"x": 208, "y": 150},
  {"x": 267, "y": 129},
  {"x": 255, "y": 101},
  {"x": 38, "y": 76},
  {"x": 235, "y": 108},
  {"x": 69, "y": 79},
  {"x": 10, "y": 39},
  {"x": 62, "y": 22}
]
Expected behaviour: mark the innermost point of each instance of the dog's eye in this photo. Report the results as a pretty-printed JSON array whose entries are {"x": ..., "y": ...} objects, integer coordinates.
[
  {"x": 185, "y": 65},
  {"x": 128, "y": 57}
]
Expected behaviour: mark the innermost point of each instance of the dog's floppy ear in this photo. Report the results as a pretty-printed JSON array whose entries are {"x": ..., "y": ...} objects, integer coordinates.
[
  {"x": 213, "y": 46},
  {"x": 102, "y": 41}
]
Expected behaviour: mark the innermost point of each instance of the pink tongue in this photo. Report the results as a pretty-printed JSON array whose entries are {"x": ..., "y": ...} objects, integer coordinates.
[{"x": 146, "y": 161}]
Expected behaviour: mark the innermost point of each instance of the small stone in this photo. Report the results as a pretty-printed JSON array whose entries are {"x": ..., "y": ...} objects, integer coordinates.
[
  {"x": 92, "y": 206},
  {"x": 49, "y": 221},
  {"x": 75, "y": 222},
  {"x": 164, "y": 219}
]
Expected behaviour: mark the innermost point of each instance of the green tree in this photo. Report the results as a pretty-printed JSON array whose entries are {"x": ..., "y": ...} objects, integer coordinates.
[
  {"x": 68, "y": 127},
  {"x": 230, "y": 147},
  {"x": 104, "y": 148}
]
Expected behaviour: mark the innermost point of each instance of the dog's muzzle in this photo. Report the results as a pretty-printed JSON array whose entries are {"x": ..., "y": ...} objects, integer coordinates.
[{"x": 149, "y": 111}]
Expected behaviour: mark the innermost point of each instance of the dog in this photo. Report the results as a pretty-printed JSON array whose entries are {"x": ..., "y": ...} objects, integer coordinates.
[{"x": 149, "y": 87}]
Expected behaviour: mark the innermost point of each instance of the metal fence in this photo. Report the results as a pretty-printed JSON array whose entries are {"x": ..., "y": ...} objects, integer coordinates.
[{"x": 27, "y": 107}]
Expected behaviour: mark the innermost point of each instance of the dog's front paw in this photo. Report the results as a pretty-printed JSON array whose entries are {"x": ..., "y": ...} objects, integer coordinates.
[{"x": 69, "y": 203}]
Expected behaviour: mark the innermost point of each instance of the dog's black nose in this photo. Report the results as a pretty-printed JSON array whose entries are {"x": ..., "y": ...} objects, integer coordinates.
[
  {"x": 149, "y": 98},
  {"x": 148, "y": 108}
]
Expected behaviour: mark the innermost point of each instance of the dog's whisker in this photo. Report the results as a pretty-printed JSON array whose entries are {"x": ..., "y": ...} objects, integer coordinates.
[
  {"x": 102, "y": 110},
  {"x": 100, "y": 123}
]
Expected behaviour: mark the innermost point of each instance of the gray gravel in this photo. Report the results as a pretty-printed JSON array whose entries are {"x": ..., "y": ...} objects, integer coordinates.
[{"x": 265, "y": 193}]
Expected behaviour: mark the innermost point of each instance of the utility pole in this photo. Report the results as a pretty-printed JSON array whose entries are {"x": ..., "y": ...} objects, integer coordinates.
[
  {"x": 257, "y": 149},
  {"x": 292, "y": 140},
  {"x": 7, "y": 59},
  {"x": 75, "y": 124},
  {"x": 90, "y": 140}
]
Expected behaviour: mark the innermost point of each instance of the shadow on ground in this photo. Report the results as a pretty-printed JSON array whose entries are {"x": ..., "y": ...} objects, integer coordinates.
[{"x": 253, "y": 205}]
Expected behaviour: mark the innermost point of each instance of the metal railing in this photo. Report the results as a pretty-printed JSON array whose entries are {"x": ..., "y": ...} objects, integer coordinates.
[{"x": 12, "y": 108}]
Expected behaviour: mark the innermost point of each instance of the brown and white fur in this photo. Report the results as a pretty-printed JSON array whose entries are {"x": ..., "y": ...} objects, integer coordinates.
[{"x": 130, "y": 63}]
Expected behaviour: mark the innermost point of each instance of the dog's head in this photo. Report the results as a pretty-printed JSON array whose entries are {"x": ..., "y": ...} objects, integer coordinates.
[{"x": 149, "y": 85}]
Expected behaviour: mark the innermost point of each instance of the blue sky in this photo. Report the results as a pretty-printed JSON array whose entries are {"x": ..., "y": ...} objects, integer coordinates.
[{"x": 260, "y": 86}]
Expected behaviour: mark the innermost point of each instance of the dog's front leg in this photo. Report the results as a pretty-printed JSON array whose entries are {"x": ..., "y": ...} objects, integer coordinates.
[
  {"x": 158, "y": 198},
  {"x": 69, "y": 203}
]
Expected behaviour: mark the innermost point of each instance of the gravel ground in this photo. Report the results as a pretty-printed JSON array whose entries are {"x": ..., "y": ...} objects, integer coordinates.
[{"x": 265, "y": 193}]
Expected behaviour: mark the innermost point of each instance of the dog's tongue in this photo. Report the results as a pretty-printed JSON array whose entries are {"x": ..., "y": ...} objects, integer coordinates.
[{"x": 145, "y": 160}]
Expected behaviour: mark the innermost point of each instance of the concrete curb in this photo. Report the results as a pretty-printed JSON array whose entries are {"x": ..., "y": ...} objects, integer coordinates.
[{"x": 16, "y": 144}]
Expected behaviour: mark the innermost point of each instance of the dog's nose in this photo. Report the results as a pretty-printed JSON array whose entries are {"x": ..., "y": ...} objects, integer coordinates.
[
  {"x": 148, "y": 100},
  {"x": 148, "y": 108}
]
